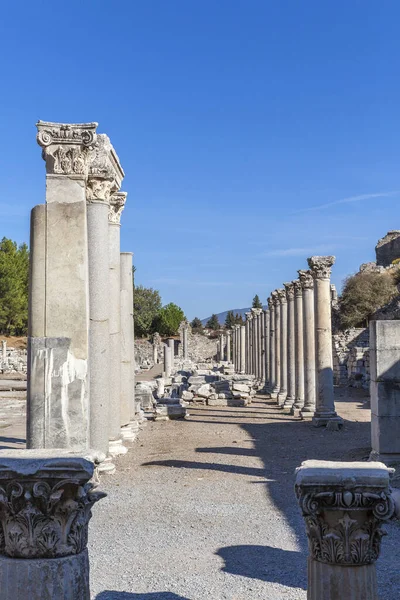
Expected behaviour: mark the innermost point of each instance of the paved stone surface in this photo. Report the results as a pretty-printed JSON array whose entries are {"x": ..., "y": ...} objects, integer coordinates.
[{"x": 205, "y": 508}]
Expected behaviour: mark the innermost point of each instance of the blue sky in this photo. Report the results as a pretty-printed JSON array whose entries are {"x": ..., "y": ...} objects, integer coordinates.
[{"x": 253, "y": 133}]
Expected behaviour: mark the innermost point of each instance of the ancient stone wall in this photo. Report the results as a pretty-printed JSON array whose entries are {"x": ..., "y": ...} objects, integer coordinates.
[
  {"x": 15, "y": 361},
  {"x": 388, "y": 248},
  {"x": 200, "y": 349},
  {"x": 351, "y": 357}
]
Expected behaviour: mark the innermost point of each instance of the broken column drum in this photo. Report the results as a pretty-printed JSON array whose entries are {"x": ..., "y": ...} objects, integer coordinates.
[
  {"x": 344, "y": 506},
  {"x": 117, "y": 204},
  {"x": 283, "y": 346},
  {"x": 291, "y": 349},
  {"x": 45, "y": 508},
  {"x": 324, "y": 404},
  {"x": 58, "y": 330}
]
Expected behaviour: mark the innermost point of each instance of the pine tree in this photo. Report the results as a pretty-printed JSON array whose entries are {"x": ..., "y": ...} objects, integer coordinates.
[
  {"x": 257, "y": 302},
  {"x": 230, "y": 320},
  {"x": 14, "y": 270},
  {"x": 239, "y": 319},
  {"x": 196, "y": 323},
  {"x": 213, "y": 323}
]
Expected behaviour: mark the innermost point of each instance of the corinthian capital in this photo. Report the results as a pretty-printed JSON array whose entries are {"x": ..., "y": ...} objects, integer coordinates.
[
  {"x": 256, "y": 311},
  {"x": 281, "y": 295},
  {"x": 321, "y": 266},
  {"x": 270, "y": 303},
  {"x": 306, "y": 279},
  {"x": 66, "y": 147},
  {"x": 297, "y": 288},
  {"x": 249, "y": 316},
  {"x": 117, "y": 205},
  {"x": 275, "y": 298},
  {"x": 105, "y": 173},
  {"x": 289, "y": 287}
]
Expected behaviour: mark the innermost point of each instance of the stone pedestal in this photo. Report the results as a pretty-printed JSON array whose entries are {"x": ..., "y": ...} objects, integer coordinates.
[
  {"x": 344, "y": 506},
  {"x": 58, "y": 332},
  {"x": 384, "y": 343},
  {"x": 117, "y": 204},
  {"x": 291, "y": 367},
  {"x": 127, "y": 347},
  {"x": 307, "y": 285},
  {"x": 299, "y": 346},
  {"x": 282, "y": 394},
  {"x": 45, "y": 508},
  {"x": 325, "y": 405}
]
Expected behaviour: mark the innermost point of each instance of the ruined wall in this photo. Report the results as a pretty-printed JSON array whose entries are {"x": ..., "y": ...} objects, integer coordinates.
[
  {"x": 201, "y": 349},
  {"x": 15, "y": 361},
  {"x": 388, "y": 248},
  {"x": 351, "y": 357}
]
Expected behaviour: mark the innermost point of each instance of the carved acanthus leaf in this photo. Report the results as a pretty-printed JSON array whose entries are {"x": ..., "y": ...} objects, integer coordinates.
[
  {"x": 306, "y": 279},
  {"x": 117, "y": 204},
  {"x": 321, "y": 266}
]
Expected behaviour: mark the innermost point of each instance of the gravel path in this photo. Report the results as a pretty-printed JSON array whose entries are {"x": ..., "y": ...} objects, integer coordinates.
[{"x": 204, "y": 508}]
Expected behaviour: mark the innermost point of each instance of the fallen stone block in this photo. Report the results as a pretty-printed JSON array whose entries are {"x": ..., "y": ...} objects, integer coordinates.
[{"x": 239, "y": 387}]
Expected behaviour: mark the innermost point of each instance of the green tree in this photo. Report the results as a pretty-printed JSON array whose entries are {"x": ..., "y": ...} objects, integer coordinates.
[
  {"x": 196, "y": 325},
  {"x": 14, "y": 276},
  {"x": 213, "y": 323},
  {"x": 362, "y": 295},
  {"x": 168, "y": 319},
  {"x": 230, "y": 320},
  {"x": 257, "y": 302},
  {"x": 146, "y": 307},
  {"x": 239, "y": 319}
]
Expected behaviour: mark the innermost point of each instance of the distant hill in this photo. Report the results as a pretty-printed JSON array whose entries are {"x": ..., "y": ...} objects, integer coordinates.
[{"x": 222, "y": 316}]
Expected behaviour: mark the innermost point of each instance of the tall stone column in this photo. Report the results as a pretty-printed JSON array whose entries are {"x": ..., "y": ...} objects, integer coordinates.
[
  {"x": 247, "y": 328},
  {"x": 291, "y": 348},
  {"x": 251, "y": 355},
  {"x": 262, "y": 348},
  {"x": 236, "y": 347},
  {"x": 104, "y": 178},
  {"x": 228, "y": 345},
  {"x": 171, "y": 346},
  {"x": 325, "y": 405},
  {"x": 344, "y": 505},
  {"x": 127, "y": 347},
  {"x": 267, "y": 335},
  {"x": 299, "y": 345},
  {"x": 167, "y": 361},
  {"x": 186, "y": 341},
  {"x": 156, "y": 345},
  {"x": 4, "y": 351},
  {"x": 283, "y": 355},
  {"x": 256, "y": 342},
  {"x": 272, "y": 360},
  {"x": 117, "y": 204},
  {"x": 277, "y": 336},
  {"x": 307, "y": 285},
  {"x": 46, "y": 501},
  {"x": 242, "y": 348},
  {"x": 58, "y": 332}
]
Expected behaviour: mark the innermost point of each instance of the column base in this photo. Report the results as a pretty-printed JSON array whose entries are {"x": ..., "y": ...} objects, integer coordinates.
[
  {"x": 331, "y": 582},
  {"x": 107, "y": 467},
  {"x": 116, "y": 448},
  {"x": 127, "y": 433},
  {"x": 297, "y": 408},
  {"x": 333, "y": 422},
  {"x": 64, "y": 578},
  {"x": 289, "y": 402},
  {"x": 282, "y": 398}
]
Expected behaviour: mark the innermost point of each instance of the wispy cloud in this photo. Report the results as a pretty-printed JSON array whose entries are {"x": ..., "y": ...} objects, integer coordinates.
[
  {"x": 310, "y": 250},
  {"x": 349, "y": 200},
  {"x": 188, "y": 282}
]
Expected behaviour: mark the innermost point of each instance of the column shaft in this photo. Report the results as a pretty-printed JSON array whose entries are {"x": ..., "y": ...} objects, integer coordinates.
[
  {"x": 127, "y": 344},
  {"x": 307, "y": 284},
  {"x": 283, "y": 355},
  {"x": 291, "y": 349},
  {"x": 299, "y": 343}
]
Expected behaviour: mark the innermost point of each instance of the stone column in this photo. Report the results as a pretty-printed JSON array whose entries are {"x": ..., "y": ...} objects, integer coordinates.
[
  {"x": 156, "y": 346},
  {"x": 325, "y": 405},
  {"x": 58, "y": 332},
  {"x": 247, "y": 329},
  {"x": 235, "y": 347},
  {"x": 167, "y": 361},
  {"x": 221, "y": 348},
  {"x": 344, "y": 505},
  {"x": 242, "y": 347},
  {"x": 4, "y": 351},
  {"x": 307, "y": 285},
  {"x": 262, "y": 348},
  {"x": 299, "y": 345},
  {"x": 271, "y": 307},
  {"x": 283, "y": 341},
  {"x": 186, "y": 341},
  {"x": 291, "y": 348},
  {"x": 256, "y": 330},
  {"x": 117, "y": 204},
  {"x": 228, "y": 345},
  {"x": 171, "y": 345},
  {"x": 104, "y": 178},
  {"x": 251, "y": 326},
  {"x": 127, "y": 348},
  {"x": 277, "y": 336},
  {"x": 267, "y": 335},
  {"x": 384, "y": 344},
  {"x": 46, "y": 500}
]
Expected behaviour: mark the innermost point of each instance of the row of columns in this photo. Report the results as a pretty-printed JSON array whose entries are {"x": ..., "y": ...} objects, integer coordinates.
[
  {"x": 288, "y": 346},
  {"x": 81, "y": 331}
]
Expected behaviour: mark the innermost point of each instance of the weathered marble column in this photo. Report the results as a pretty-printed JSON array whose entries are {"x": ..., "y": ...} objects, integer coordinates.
[
  {"x": 58, "y": 331},
  {"x": 4, "y": 351},
  {"x": 344, "y": 505},
  {"x": 262, "y": 348},
  {"x": 171, "y": 345},
  {"x": 127, "y": 347},
  {"x": 236, "y": 348},
  {"x": 307, "y": 285},
  {"x": 299, "y": 346},
  {"x": 117, "y": 204},
  {"x": 247, "y": 328},
  {"x": 228, "y": 345},
  {"x": 241, "y": 332},
  {"x": 167, "y": 361},
  {"x": 221, "y": 352},
  {"x": 251, "y": 341},
  {"x": 104, "y": 178},
  {"x": 272, "y": 365},
  {"x": 283, "y": 341},
  {"x": 156, "y": 345},
  {"x": 291, "y": 346},
  {"x": 45, "y": 507},
  {"x": 185, "y": 334},
  {"x": 256, "y": 342},
  {"x": 277, "y": 335},
  {"x": 325, "y": 405},
  {"x": 267, "y": 335},
  {"x": 384, "y": 345}
]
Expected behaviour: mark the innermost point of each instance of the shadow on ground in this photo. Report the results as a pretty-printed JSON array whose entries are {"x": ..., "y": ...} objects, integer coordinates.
[
  {"x": 5, "y": 441},
  {"x": 286, "y": 567},
  {"x": 112, "y": 595}
]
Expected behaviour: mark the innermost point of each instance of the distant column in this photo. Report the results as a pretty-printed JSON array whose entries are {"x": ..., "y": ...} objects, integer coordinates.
[
  {"x": 247, "y": 328},
  {"x": 167, "y": 361},
  {"x": 291, "y": 367},
  {"x": 283, "y": 356},
  {"x": 272, "y": 359},
  {"x": 242, "y": 334},
  {"x": 171, "y": 345},
  {"x": 299, "y": 344},
  {"x": 277, "y": 331},
  {"x": 325, "y": 404},
  {"x": 307, "y": 285},
  {"x": 185, "y": 340},
  {"x": 127, "y": 347},
  {"x": 267, "y": 349},
  {"x": 228, "y": 345}
]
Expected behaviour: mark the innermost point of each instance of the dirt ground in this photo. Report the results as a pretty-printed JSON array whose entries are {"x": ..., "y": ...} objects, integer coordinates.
[{"x": 18, "y": 342}]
